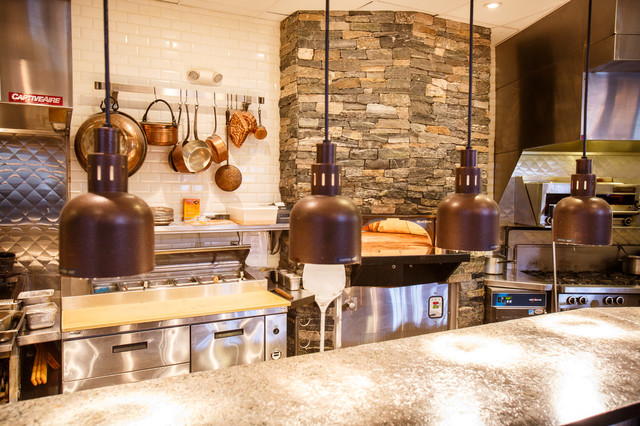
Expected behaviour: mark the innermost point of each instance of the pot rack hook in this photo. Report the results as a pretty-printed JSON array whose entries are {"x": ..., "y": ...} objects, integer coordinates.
[
  {"x": 197, "y": 104},
  {"x": 154, "y": 93},
  {"x": 214, "y": 99}
]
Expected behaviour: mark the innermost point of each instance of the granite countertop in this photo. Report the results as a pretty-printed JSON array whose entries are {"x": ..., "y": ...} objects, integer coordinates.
[{"x": 548, "y": 369}]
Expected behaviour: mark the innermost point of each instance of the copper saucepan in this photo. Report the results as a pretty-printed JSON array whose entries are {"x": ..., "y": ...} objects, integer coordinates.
[
  {"x": 176, "y": 159},
  {"x": 219, "y": 151},
  {"x": 261, "y": 131}
]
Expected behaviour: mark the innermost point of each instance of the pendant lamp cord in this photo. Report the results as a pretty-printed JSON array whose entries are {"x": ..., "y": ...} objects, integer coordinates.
[
  {"x": 586, "y": 85},
  {"x": 326, "y": 73},
  {"x": 107, "y": 85},
  {"x": 470, "y": 74}
]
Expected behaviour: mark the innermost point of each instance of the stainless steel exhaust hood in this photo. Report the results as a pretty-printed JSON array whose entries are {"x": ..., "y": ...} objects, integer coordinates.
[
  {"x": 35, "y": 66},
  {"x": 539, "y": 84}
]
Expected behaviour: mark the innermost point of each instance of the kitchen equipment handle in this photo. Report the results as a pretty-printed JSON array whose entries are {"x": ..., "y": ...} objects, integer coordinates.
[
  {"x": 173, "y": 119},
  {"x": 620, "y": 259},
  {"x": 129, "y": 347},
  {"x": 229, "y": 333}
]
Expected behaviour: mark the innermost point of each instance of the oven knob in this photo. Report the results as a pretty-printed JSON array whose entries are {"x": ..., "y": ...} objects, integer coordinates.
[
  {"x": 582, "y": 300},
  {"x": 608, "y": 300},
  {"x": 619, "y": 300},
  {"x": 571, "y": 300}
]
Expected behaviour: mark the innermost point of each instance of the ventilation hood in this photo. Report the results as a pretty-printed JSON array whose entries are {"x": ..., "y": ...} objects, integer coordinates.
[
  {"x": 35, "y": 66},
  {"x": 539, "y": 84}
]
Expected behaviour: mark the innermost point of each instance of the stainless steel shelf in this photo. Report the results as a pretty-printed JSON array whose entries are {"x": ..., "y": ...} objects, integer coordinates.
[
  {"x": 43, "y": 335},
  {"x": 182, "y": 228}
]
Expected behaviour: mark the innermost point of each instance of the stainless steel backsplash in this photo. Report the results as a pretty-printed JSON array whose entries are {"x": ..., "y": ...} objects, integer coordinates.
[
  {"x": 33, "y": 190},
  {"x": 543, "y": 166}
]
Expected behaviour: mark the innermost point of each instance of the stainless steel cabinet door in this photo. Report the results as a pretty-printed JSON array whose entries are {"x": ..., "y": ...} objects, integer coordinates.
[
  {"x": 226, "y": 343},
  {"x": 101, "y": 356}
]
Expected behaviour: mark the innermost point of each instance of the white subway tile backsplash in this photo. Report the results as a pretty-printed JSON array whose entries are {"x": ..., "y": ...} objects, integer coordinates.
[{"x": 154, "y": 43}]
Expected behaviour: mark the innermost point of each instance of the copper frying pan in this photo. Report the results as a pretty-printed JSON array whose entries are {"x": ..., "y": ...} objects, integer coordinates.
[{"x": 228, "y": 177}]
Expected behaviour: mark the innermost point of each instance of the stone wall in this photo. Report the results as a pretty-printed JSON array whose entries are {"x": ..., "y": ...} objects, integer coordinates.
[
  {"x": 397, "y": 112},
  {"x": 398, "y": 105}
]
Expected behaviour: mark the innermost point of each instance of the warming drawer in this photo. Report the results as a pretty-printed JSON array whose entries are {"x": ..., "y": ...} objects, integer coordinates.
[{"x": 123, "y": 353}]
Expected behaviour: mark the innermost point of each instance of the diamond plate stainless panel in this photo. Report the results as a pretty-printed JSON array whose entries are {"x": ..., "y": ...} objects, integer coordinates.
[
  {"x": 36, "y": 247},
  {"x": 32, "y": 179}
]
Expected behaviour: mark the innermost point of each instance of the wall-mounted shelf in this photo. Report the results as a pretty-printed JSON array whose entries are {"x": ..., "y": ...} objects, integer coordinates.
[
  {"x": 204, "y": 92},
  {"x": 183, "y": 228}
]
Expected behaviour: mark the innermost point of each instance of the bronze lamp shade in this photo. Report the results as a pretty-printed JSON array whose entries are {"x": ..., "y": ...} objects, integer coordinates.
[
  {"x": 106, "y": 232},
  {"x": 583, "y": 218},
  {"x": 468, "y": 220},
  {"x": 324, "y": 227}
]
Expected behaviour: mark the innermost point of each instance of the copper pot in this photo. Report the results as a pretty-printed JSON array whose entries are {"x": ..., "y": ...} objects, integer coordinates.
[
  {"x": 160, "y": 133},
  {"x": 219, "y": 151}
]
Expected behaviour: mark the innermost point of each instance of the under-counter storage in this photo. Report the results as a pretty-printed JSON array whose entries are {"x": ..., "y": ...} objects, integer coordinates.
[
  {"x": 122, "y": 358},
  {"x": 227, "y": 343}
]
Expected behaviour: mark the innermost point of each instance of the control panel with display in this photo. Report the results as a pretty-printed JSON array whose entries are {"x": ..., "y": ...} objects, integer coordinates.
[{"x": 519, "y": 299}]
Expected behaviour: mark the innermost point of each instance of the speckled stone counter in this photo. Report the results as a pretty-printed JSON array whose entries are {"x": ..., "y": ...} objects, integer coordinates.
[{"x": 550, "y": 369}]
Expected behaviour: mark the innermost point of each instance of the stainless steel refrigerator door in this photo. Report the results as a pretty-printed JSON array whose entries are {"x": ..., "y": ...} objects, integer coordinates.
[
  {"x": 375, "y": 314},
  {"x": 120, "y": 353},
  {"x": 227, "y": 343}
]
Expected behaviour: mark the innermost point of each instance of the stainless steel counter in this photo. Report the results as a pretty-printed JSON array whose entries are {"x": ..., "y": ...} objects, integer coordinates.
[
  {"x": 516, "y": 279},
  {"x": 548, "y": 369}
]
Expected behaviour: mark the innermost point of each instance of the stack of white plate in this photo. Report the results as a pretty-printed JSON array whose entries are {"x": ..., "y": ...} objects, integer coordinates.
[{"x": 162, "y": 215}]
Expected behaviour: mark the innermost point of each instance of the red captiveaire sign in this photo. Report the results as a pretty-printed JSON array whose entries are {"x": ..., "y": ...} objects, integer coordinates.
[{"x": 25, "y": 98}]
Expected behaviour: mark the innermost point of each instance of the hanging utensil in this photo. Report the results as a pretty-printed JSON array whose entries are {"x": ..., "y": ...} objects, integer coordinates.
[
  {"x": 261, "y": 131},
  {"x": 175, "y": 156},
  {"x": 133, "y": 141},
  {"x": 197, "y": 153},
  {"x": 160, "y": 133},
  {"x": 219, "y": 151},
  {"x": 228, "y": 177},
  {"x": 248, "y": 117},
  {"x": 238, "y": 127}
]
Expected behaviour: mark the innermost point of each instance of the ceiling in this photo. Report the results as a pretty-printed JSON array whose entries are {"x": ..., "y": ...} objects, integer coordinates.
[{"x": 504, "y": 21}]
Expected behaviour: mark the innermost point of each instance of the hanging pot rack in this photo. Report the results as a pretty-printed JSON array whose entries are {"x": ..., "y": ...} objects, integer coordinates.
[{"x": 204, "y": 93}]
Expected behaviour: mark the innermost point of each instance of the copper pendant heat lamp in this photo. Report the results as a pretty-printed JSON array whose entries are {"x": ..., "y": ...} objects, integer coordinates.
[
  {"x": 468, "y": 220},
  {"x": 324, "y": 227},
  {"x": 106, "y": 232},
  {"x": 583, "y": 218}
]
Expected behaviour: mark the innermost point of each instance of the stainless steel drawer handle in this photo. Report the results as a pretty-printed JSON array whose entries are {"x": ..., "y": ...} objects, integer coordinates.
[
  {"x": 129, "y": 347},
  {"x": 230, "y": 333}
]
